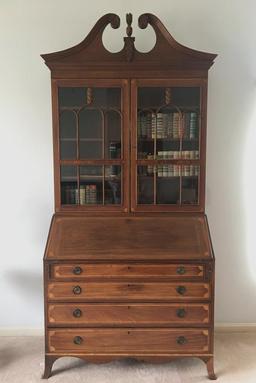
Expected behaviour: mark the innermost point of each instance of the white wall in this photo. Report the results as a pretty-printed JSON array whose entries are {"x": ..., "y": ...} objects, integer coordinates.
[{"x": 28, "y": 28}]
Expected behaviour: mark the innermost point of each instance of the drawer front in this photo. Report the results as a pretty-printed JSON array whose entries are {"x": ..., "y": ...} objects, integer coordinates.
[
  {"x": 79, "y": 271},
  {"x": 128, "y": 315},
  {"x": 133, "y": 341},
  {"x": 91, "y": 291}
]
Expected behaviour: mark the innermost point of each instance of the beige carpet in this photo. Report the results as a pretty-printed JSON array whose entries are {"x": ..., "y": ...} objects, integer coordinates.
[{"x": 21, "y": 361}]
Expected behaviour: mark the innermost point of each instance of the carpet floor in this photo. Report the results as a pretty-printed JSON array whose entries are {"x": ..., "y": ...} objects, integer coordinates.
[{"x": 22, "y": 361}]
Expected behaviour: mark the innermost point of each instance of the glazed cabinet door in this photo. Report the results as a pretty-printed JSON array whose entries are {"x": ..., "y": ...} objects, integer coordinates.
[
  {"x": 91, "y": 142},
  {"x": 168, "y": 145}
]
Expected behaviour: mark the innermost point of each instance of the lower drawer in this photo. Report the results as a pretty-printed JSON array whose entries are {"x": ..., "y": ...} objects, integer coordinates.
[
  {"x": 131, "y": 341},
  {"x": 161, "y": 291},
  {"x": 127, "y": 315}
]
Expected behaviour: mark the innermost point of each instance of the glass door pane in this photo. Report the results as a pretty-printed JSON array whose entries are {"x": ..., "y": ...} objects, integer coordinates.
[
  {"x": 190, "y": 184},
  {"x": 145, "y": 190},
  {"x": 68, "y": 135},
  {"x": 69, "y": 185},
  {"x": 168, "y": 145},
  {"x": 91, "y": 144},
  {"x": 112, "y": 134},
  {"x": 90, "y": 123},
  {"x": 91, "y": 185},
  {"x": 112, "y": 185},
  {"x": 168, "y": 184},
  {"x": 168, "y": 122}
]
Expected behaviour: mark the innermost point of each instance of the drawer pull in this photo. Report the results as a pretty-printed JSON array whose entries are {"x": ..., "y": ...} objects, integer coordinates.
[
  {"x": 77, "y": 290},
  {"x": 181, "y": 290},
  {"x": 78, "y": 340},
  {"x": 181, "y": 313},
  {"x": 77, "y": 313},
  {"x": 181, "y": 270},
  {"x": 181, "y": 340},
  {"x": 77, "y": 270}
]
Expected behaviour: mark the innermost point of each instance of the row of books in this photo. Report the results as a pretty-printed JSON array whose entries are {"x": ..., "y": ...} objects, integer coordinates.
[
  {"x": 176, "y": 171},
  {"x": 168, "y": 125},
  {"x": 87, "y": 195},
  {"x": 173, "y": 170},
  {"x": 171, "y": 154},
  {"x": 183, "y": 154}
]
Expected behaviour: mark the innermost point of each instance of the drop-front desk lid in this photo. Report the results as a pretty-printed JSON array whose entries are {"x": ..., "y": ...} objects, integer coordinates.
[{"x": 135, "y": 238}]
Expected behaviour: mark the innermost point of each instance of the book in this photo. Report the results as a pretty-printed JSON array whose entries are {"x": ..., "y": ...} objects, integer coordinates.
[
  {"x": 193, "y": 125},
  {"x": 70, "y": 194},
  {"x": 150, "y": 168},
  {"x": 82, "y": 195},
  {"x": 176, "y": 124}
]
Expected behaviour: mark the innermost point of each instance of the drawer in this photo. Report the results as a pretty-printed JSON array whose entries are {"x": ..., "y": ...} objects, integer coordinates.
[
  {"x": 115, "y": 270},
  {"x": 128, "y": 315},
  {"x": 128, "y": 340},
  {"x": 162, "y": 291}
]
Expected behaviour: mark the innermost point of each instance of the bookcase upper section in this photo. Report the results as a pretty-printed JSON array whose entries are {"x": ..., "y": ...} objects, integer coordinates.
[
  {"x": 129, "y": 128},
  {"x": 92, "y": 59}
]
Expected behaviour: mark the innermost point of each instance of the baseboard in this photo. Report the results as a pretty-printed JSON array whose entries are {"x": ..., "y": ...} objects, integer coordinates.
[
  {"x": 235, "y": 327},
  {"x": 219, "y": 328}
]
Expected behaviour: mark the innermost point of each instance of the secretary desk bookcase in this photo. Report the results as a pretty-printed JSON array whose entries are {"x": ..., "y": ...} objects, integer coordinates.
[{"x": 129, "y": 265}]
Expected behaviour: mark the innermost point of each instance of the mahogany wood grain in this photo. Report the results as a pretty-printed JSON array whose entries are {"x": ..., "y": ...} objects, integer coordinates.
[
  {"x": 129, "y": 253},
  {"x": 133, "y": 291},
  {"x": 91, "y": 58},
  {"x": 166, "y": 237},
  {"x": 129, "y": 340},
  {"x": 126, "y": 270},
  {"x": 123, "y": 315}
]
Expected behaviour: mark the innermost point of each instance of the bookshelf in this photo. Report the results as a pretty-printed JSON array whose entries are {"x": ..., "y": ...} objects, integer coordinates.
[
  {"x": 90, "y": 130},
  {"x": 95, "y": 136},
  {"x": 169, "y": 143},
  {"x": 129, "y": 233}
]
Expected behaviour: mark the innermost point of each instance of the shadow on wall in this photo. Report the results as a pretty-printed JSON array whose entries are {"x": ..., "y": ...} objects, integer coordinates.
[{"x": 28, "y": 283}]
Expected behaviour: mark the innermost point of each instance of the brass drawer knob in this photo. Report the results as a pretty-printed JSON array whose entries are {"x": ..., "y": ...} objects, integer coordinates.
[
  {"x": 77, "y": 290},
  {"x": 77, "y": 270},
  {"x": 78, "y": 340},
  {"x": 181, "y": 340},
  {"x": 181, "y": 290},
  {"x": 77, "y": 313},
  {"x": 181, "y": 270},
  {"x": 181, "y": 313}
]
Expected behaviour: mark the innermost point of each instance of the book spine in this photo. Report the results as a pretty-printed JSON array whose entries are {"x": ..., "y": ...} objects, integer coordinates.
[
  {"x": 160, "y": 170},
  {"x": 193, "y": 125},
  {"x": 165, "y": 170},
  {"x": 152, "y": 126},
  {"x": 82, "y": 194},
  {"x": 170, "y": 170},
  {"x": 176, "y": 123},
  {"x": 176, "y": 170},
  {"x": 150, "y": 168}
]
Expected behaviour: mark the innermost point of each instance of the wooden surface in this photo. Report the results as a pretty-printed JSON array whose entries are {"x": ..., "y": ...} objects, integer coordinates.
[
  {"x": 171, "y": 237},
  {"x": 112, "y": 271},
  {"x": 89, "y": 64},
  {"x": 91, "y": 57},
  {"x": 235, "y": 360},
  {"x": 134, "y": 291},
  {"x": 142, "y": 250},
  {"x": 123, "y": 315},
  {"x": 129, "y": 340}
]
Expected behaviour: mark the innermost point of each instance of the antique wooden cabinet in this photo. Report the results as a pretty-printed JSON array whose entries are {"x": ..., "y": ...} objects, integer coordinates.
[{"x": 129, "y": 265}]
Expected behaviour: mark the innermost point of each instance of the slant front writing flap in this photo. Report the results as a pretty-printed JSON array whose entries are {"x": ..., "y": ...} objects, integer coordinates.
[{"x": 129, "y": 238}]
